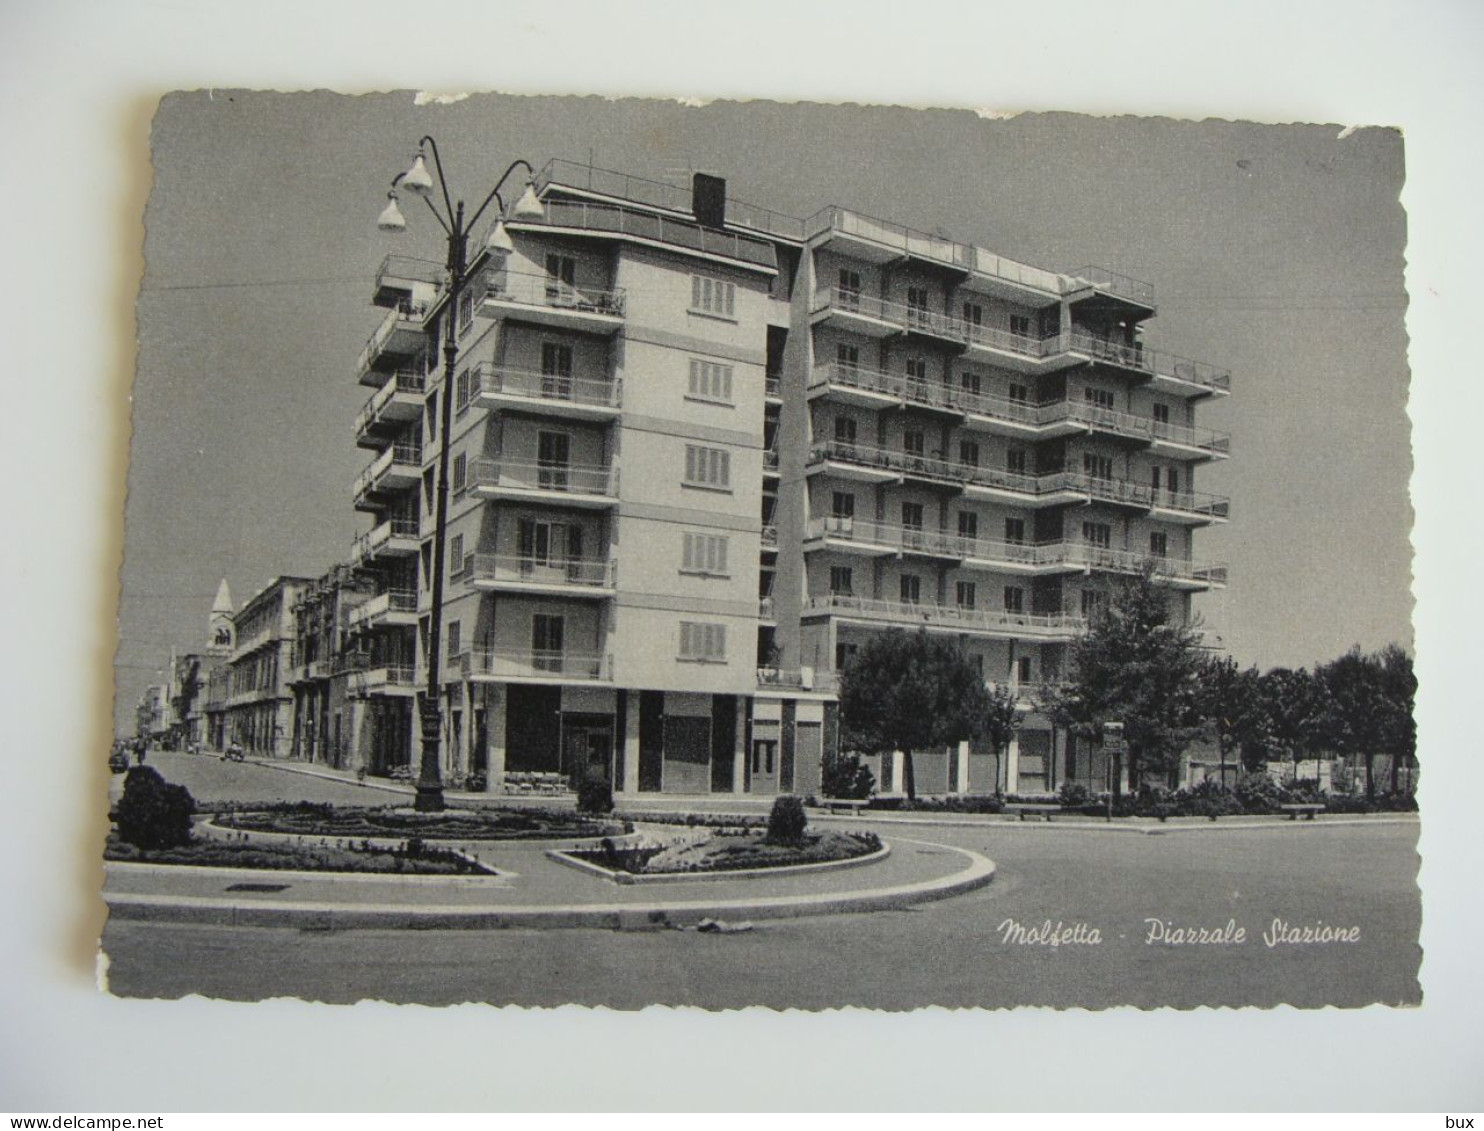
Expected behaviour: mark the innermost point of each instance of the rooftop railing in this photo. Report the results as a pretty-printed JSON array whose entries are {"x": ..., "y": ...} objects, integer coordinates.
[
  {"x": 641, "y": 224},
  {"x": 407, "y": 268},
  {"x": 541, "y": 290},
  {"x": 593, "y": 391},
  {"x": 1113, "y": 283}
]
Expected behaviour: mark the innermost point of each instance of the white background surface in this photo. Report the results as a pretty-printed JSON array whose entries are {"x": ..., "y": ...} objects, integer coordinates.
[{"x": 79, "y": 81}]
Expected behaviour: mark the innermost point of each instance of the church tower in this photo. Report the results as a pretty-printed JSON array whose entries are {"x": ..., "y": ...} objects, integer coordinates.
[{"x": 221, "y": 636}]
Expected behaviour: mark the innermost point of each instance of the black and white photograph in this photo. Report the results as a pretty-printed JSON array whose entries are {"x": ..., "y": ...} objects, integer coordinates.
[
  {"x": 629, "y": 553},
  {"x": 785, "y": 557}
]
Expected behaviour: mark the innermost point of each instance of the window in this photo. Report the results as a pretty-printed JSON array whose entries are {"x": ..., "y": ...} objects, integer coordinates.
[
  {"x": 561, "y": 277},
  {"x": 462, "y": 385},
  {"x": 708, "y": 467},
  {"x": 712, "y": 296},
  {"x": 1023, "y": 669},
  {"x": 1161, "y": 413},
  {"x": 460, "y": 472},
  {"x": 850, "y": 289},
  {"x": 964, "y": 593},
  {"x": 455, "y": 555},
  {"x": 1098, "y": 398},
  {"x": 703, "y": 642},
  {"x": 556, "y": 370},
  {"x": 547, "y": 543},
  {"x": 1014, "y": 599},
  {"x": 1159, "y": 544},
  {"x": 917, "y": 305},
  {"x": 1020, "y": 325},
  {"x": 454, "y": 632},
  {"x": 845, "y": 430},
  {"x": 1096, "y": 466},
  {"x": 974, "y": 314},
  {"x": 844, "y": 654},
  {"x": 1097, "y": 534},
  {"x": 432, "y": 415},
  {"x": 913, "y": 442},
  {"x": 917, "y": 370},
  {"x": 705, "y": 553},
  {"x": 1015, "y": 461},
  {"x": 466, "y": 312},
  {"x": 968, "y": 452},
  {"x": 1015, "y": 531},
  {"x": 764, "y": 750},
  {"x": 710, "y": 381},
  {"x": 1019, "y": 393},
  {"x": 968, "y": 525},
  {"x": 912, "y": 516},
  {"x": 1172, "y": 480},
  {"x": 910, "y": 588},
  {"x": 970, "y": 383},
  {"x": 547, "y": 633},
  {"x": 847, "y": 357},
  {"x": 842, "y": 506},
  {"x": 841, "y": 581},
  {"x": 1092, "y": 602},
  {"x": 553, "y": 460}
]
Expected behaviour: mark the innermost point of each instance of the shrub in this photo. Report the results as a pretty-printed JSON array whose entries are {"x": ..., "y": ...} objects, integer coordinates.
[
  {"x": 477, "y": 782},
  {"x": 1259, "y": 793},
  {"x": 845, "y": 776},
  {"x": 594, "y": 796},
  {"x": 1074, "y": 795},
  {"x": 152, "y": 813},
  {"x": 786, "y": 821}
]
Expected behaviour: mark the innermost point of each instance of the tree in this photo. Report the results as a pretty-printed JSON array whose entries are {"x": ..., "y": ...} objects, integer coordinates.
[
  {"x": 1134, "y": 666},
  {"x": 1234, "y": 711},
  {"x": 910, "y": 691},
  {"x": 1297, "y": 705},
  {"x": 1368, "y": 708},
  {"x": 1398, "y": 725}
]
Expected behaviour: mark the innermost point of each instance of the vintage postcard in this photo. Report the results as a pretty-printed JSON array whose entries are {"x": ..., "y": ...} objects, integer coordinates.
[{"x": 627, "y": 553}]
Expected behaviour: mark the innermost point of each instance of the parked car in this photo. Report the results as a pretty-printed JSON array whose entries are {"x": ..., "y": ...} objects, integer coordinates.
[{"x": 118, "y": 760}]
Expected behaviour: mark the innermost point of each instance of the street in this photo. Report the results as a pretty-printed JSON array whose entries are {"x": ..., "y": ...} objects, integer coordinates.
[{"x": 975, "y": 949}]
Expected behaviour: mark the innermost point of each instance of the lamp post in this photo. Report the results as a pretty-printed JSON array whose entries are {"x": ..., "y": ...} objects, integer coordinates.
[
  {"x": 1114, "y": 730},
  {"x": 429, "y": 797}
]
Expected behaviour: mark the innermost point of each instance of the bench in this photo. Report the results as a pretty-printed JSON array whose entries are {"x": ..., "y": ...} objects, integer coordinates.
[
  {"x": 835, "y": 804},
  {"x": 1308, "y": 809},
  {"x": 1027, "y": 808}
]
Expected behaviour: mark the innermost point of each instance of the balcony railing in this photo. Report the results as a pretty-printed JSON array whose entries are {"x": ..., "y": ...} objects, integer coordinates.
[
  {"x": 371, "y": 543},
  {"x": 587, "y": 667},
  {"x": 639, "y": 224},
  {"x": 535, "y": 475},
  {"x": 405, "y": 316},
  {"x": 402, "y": 676},
  {"x": 394, "y": 601},
  {"x": 765, "y": 608},
  {"x": 585, "y": 573},
  {"x": 910, "y": 539},
  {"x": 408, "y": 457},
  {"x": 1158, "y": 363},
  {"x": 924, "y": 467},
  {"x": 1192, "y": 502},
  {"x": 1116, "y": 284},
  {"x": 544, "y": 291},
  {"x": 769, "y": 537},
  {"x": 1092, "y": 556},
  {"x": 402, "y": 381},
  {"x": 798, "y": 679},
  {"x": 1057, "y": 625},
  {"x": 594, "y": 392},
  {"x": 773, "y": 387}
]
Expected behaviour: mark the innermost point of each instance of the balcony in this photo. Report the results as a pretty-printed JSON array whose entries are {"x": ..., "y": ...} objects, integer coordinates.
[
  {"x": 946, "y": 618},
  {"x": 773, "y": 389},
  {"x": 558, "y": 577},
  {"x": 767, "y": 612},
  {"x": 395, "y": 538},
  {"x": 390, "y": 408},
  {"x": 399, "y": 337},
  {"x": 505, "y": 389},
  {"x": 534, "y": 666},
  {"x": 398, "y": 274},
  {"x": 876, "y": 539},
  {"x": 1167, "y": 372},
  {"x": 769, "y": 539},
  {"x": 396, "y": 608},
  {"x": 1176, "y": 573},
  {"x": 1101, "y": 280},
  {"x": 389, "y": 679},
  {"x": 796, "y": 679},
  {"x": 770, "y": 461},
  {"x": 548, "y": 302},
  {"x": 1192, "y": 508},
  {"x": 878, "y": 465},
  {"x": 399, "y": 468},
  {"x": 565, "y": 485},
  {"x": 643, "y": 226},
  {"x": 310, "y": 672}
]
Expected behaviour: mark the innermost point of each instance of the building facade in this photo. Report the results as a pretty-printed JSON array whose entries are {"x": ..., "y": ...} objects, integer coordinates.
[
  {"x": 329, "y": 671},
  {"x": 701, "y": 451},
  {"x": 259, "y": 703}
]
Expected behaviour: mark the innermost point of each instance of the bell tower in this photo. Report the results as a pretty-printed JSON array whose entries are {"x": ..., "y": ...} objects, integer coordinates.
[{"x": 221, "y": 633}]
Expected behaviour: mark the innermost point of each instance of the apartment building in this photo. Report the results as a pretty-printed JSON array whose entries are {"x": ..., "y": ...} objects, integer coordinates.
[
  {"x": 701, "y": 451},
  {"x": 330, "y": 671},
  {"x": 259, "y": 703}
]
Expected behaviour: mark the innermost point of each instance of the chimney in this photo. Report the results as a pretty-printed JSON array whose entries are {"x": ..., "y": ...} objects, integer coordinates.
[{"x": 709, "y": 199}]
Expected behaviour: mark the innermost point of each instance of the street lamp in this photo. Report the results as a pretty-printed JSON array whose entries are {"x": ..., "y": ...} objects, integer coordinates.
[
  {"x": 419, "y": 182},
  {"x": 1112, "y": 729}
]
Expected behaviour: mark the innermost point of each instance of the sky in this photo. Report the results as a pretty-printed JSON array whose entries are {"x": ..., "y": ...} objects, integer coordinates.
[{"x": 1275, "y": 251}]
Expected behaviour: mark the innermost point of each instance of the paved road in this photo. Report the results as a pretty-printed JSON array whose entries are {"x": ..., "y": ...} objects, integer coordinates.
[{"x": 949, "y": 953}]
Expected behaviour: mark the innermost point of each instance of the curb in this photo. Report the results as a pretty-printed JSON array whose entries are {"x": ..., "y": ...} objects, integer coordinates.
[
  {"x": 1226, "y": 824},
  {"x": 979, "y": 872},
  {"x": 627, "y": 879}
]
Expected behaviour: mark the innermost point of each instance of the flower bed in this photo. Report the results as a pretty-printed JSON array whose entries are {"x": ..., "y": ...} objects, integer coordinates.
[
  {"x": 413, "y": 859},
  {"x": 455, "y": 824},
  {"x": 726, "y": 852}
]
